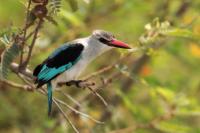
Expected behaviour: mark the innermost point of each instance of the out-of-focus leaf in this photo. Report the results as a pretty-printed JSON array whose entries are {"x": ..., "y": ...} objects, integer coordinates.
[
  {"x": 153, "y": 31},
  {"x": 87, "y": 1},
  {"x": 195, "y": 50},
  {"x": 50, "y": 19},
  {"x": 8, "y": 31},
  {"x": 165, "y": 94},
  {"x": 184, "y": 33},
  {"x": 73, "y": 4},
  {"x": 188, "y": 112},
  {"x": 173, "y": 127},
  {"x": 126, "y": 101},
  {"x": 71, "y": 18}
]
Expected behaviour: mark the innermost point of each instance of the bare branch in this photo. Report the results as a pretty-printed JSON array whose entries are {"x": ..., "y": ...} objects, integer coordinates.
[
  {"x": 71, "y": 98},
  {"x": 65, "y": 116},
  {"x": 107, "y": 68},
  {"x": 14, "y": 67},
  {"x": 19, "y": 86},
  {"x": 78, "y": 112},
  {"x": 98, "y": 95},
  {"x": 25, "y": 31},
  {"x": 32, "y": 44},
  {"x": 85, "y": 84}
]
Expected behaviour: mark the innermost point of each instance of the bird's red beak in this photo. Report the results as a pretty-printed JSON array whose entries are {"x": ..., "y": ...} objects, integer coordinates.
[{"x": 119, "y": 44}]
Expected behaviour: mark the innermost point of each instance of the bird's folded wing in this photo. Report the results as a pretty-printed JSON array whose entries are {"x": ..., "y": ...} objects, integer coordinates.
[
  {"x": 59, "y": 61},
  {"x": 48, "y": 73}
]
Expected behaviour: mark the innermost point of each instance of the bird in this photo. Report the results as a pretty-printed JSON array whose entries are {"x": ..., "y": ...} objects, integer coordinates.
[{"x": 68, "y": 61}]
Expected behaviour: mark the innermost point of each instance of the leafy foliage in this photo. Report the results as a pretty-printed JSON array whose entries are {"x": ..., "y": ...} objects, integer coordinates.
[
  {"x": 7, "y": 58},
  {"x": 7, "y": 34},
  {"x": 73, "y": 4},
  {"x": 55, "y": 6}
]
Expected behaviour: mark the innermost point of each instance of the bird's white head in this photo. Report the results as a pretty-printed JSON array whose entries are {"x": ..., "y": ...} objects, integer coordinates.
[{"x": 107, "y": 38}]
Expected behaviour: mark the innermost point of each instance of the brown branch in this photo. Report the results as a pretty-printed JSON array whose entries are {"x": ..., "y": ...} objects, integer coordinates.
[
  {"x": 107, "y": 68},
  {"x": 84, "y": 84},
  {"x": 105, "y": 83},
  {"x": 98, "y": 95},
  {"x": 65, "y": 116},
  {"x": 25, "y": 31},
  {"x": 16, "y": 85},
  {"x": 78, "y": 112},
  {"x": 71, "y": 98},
  {"x": 32, "y": 44},
  {"x": 26, "y": 72}
]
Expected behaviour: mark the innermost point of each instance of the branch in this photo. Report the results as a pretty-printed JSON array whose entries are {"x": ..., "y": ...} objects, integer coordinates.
[
  {"x": 107, "y": 68},
  {"x": 65, "y": 116},
  {"x": 84, "y": 84},
  {"x": 32, "y": 44},
  {"x": 104, "y": 84},
  {"x": 71, "y": 98},
  {"x": 78, "y": 112},
  {"x": 26, "y": 72},
  {"x": 25, "y": 31},
  {"x": 98, "y": 95},
  {"x": 19, "y": 86}
]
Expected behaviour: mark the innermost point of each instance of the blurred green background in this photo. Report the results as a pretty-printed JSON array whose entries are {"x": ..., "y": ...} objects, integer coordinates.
[{"x": 156, "y": 91}]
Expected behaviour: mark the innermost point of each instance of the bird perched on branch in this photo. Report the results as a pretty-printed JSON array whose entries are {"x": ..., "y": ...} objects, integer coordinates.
[{"x": 66, "y": 63}]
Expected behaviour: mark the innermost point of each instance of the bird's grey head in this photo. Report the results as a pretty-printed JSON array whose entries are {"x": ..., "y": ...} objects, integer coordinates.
[{"x": 107, "y": 38}]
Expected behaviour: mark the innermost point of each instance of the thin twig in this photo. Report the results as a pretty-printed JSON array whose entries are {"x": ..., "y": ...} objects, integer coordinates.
[
  {"x": 32, "y": 44},
  {"x": 105, "y": 69},
  {"x": 29, "y": 35},
  {"x": 106, "y": 83},
  {"x": 43, "y": 91},
  {"x": 26, "y": 72},
  {"x": 71, "y": 98},
  {"x": 23, "y": 78},
  {"x": 66, "y": 117},
  {"x": 16, "y": 85},
  {"x": 78, "y": 112},
  {"x": 98, "y": 95},
  {"x": 25, "y": 31}
]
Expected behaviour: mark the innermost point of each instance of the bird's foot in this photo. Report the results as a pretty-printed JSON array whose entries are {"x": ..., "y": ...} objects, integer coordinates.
[
  {"x": 80, "y": 83},
  {"x": 77, "y": 83}
]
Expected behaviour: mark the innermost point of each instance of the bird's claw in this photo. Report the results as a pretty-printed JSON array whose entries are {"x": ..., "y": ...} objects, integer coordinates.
[{"x": 80, "y": 83}]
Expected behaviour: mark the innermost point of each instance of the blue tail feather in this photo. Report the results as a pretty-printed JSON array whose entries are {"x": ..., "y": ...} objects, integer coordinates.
[{"x": 49, "y": 95}]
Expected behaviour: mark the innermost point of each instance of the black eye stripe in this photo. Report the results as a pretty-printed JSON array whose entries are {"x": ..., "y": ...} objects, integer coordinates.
[{"x": 103, "y": 40}]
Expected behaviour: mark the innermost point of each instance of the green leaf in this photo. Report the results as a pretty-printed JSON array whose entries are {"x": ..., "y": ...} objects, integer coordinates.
[
  {"x": 55, "y": 6},
  {"x": 73, "y": 4},
  {"x": 52, "y": 20},
  {"x": 5, "y": 39},
  {"x": 7, "y": 57},
  {"x": 8, "y": 31}
]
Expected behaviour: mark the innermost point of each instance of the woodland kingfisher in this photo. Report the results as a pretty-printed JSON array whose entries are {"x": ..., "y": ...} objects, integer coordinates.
[{"x": 68, "y": 61}]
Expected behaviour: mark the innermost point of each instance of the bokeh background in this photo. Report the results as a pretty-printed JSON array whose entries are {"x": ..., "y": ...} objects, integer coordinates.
[{"x": 153, "y": 91}]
